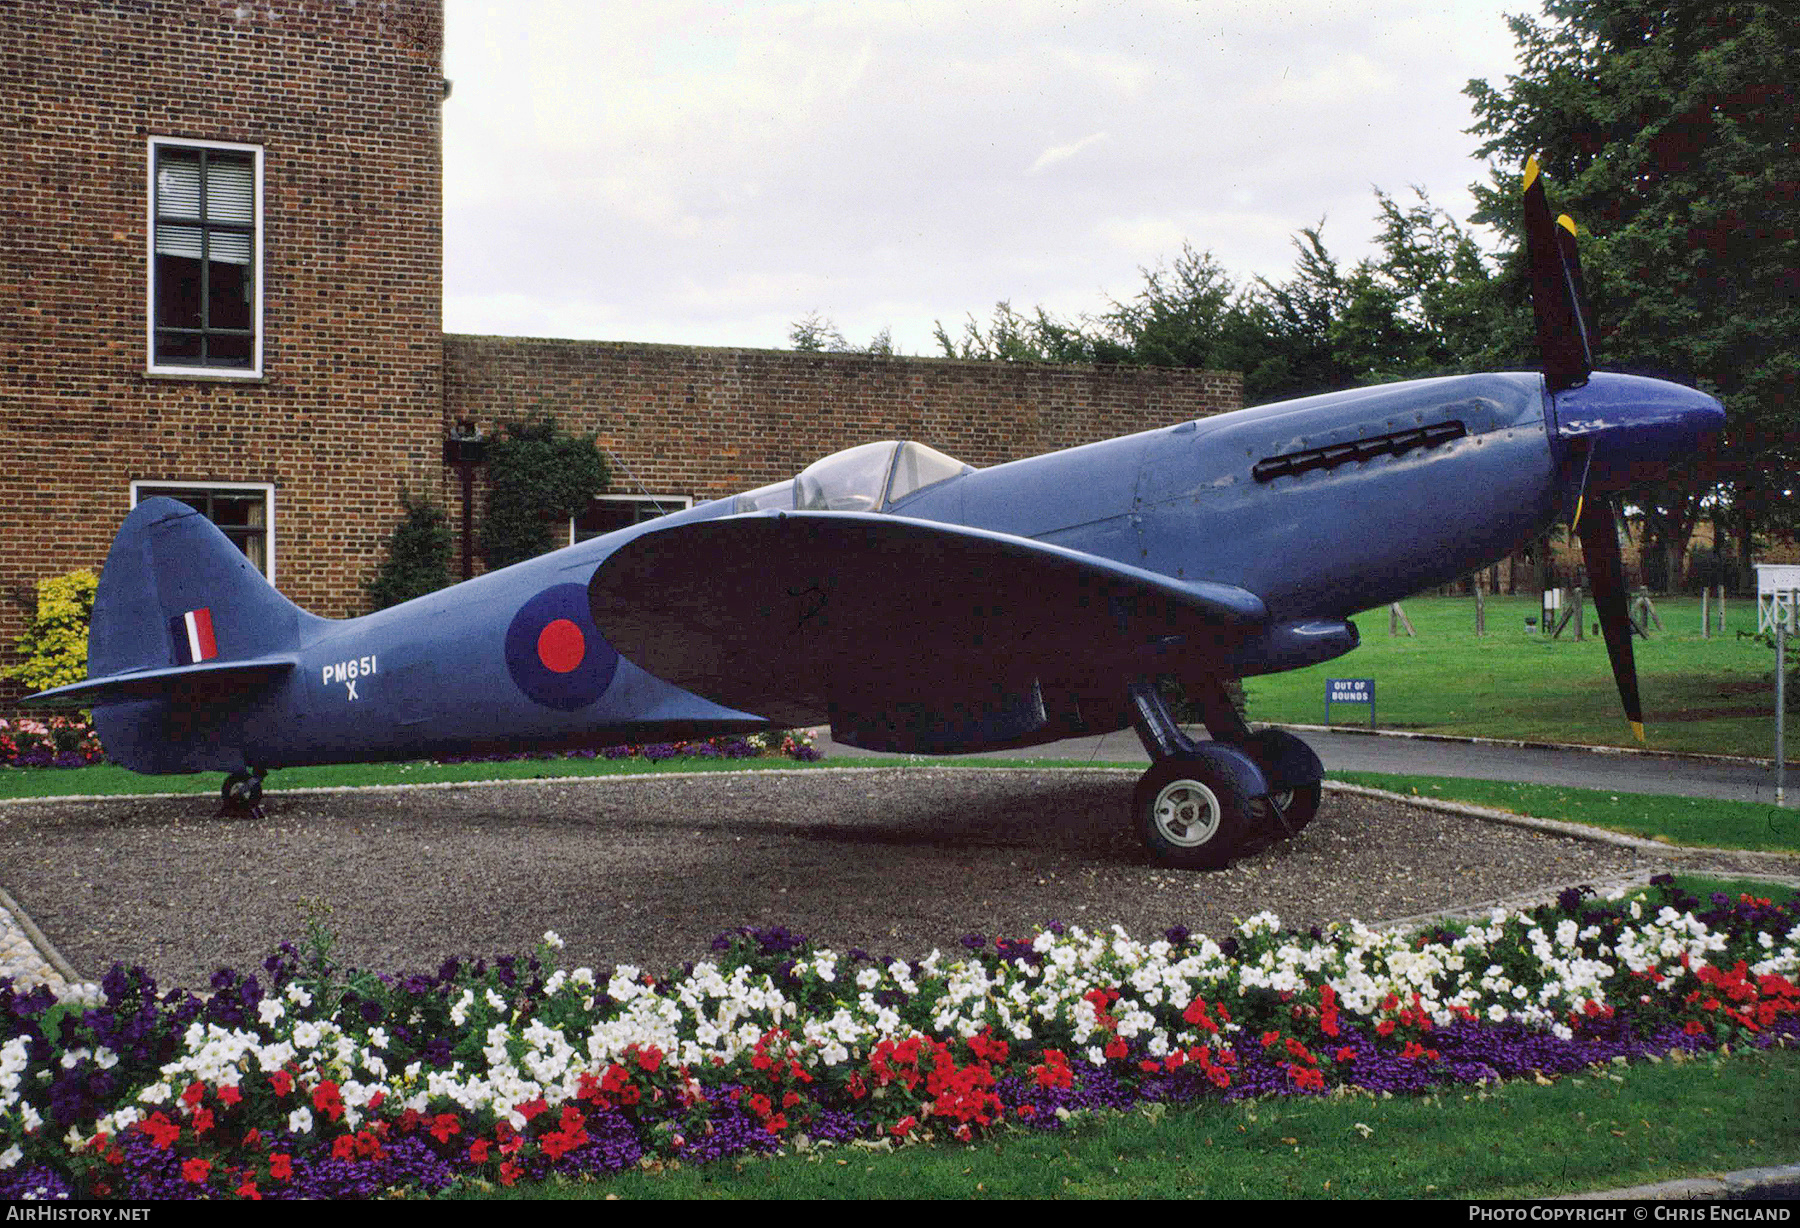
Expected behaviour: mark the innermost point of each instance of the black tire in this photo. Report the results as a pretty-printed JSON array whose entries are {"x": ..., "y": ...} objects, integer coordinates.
[
  {"x": 242, "y": 792},
  {"x": 1298, "y": 808},
  {"x": 1191, "y": 815}
]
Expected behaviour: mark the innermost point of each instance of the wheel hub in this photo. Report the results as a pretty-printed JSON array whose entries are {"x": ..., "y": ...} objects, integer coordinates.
[{"x": 1186, "y": 813}]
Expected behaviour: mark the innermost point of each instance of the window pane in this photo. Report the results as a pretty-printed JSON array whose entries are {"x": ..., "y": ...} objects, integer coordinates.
[
  {"x": 223, "y": 350},
  {"x": 179, "y": 348},
  {"x": 178, "y": 183},
  {"x": 228, "y": 295},
  {"x": 230, "y": 189},
  {"x": 177, "y": 292}
]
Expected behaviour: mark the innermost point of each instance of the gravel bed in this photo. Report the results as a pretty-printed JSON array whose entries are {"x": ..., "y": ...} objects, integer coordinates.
[{"x": 647, "y": 869}]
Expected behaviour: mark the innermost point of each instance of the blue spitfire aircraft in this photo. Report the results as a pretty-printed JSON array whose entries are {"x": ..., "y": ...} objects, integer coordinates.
[{"x": 918, "y": 605}]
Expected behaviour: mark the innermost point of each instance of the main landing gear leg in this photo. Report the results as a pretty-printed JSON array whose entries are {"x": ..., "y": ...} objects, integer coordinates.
[
  {"x": 241, "y": 796},
  {"x": 1192, "y": 808},
  {"x": 1202, "y": 803}
]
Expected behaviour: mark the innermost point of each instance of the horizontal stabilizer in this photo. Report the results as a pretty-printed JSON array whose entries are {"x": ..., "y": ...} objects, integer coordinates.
[
  {"x": 207, "y": 679},
  {"x": 798, "y": 616}
]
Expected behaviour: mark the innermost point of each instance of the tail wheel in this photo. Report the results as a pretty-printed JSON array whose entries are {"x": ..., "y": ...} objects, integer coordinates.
[
  {"x": 1191, "y": 815},
  {"x": 241, "y": 794}
]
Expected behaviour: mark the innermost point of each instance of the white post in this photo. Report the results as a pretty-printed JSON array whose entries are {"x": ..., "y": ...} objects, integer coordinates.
[{"x": 1782, "y": 626}]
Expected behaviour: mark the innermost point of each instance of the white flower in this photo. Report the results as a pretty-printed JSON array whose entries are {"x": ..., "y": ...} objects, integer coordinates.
[
  {"x": 553, "y": 940},
  {"x": 11, "y": 1156},
  {"x": 270, "y": 1010},
  {"x": 300, "y": 1121}
]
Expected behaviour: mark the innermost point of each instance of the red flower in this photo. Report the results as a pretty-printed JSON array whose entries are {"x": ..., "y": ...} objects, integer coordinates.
[
  {"x": 510, "y": 1172},
  {"x": 282, "y": 1082},
  {"x": 904, "y": 1126},
  {"x": 195, "y": 1093},
  {"x": 195, "y": 1170},
  {"x": 531, "y": 1108},
  {"x": 1115, "y": 1048},
  {"x": 444, "y": 1125},
  {"x": 281, "y": 1166},
  {"x": 230, "y": 1095},
  {"x": 161, "y": 1130},
  {"x": 327, "y": 1100},
  {"x": 203, "y": 1120},
  {"x": 478, "y": 1151},
  {"x": 650, "y": 1058}
]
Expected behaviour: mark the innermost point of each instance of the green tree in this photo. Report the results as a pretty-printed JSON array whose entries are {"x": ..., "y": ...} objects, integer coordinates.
[
  {"x": 1670, "y": 131},
  {"x": 1012, "y": 337},
  {"x": 538, "y": 478},
  {"x": 816, "y": 334},
  {"x": 418, "y": 556},
  {"x": 1427, "y": 306},
  {"x": 1183, "y": 317},
  {"x": 1281, "y": 340}
]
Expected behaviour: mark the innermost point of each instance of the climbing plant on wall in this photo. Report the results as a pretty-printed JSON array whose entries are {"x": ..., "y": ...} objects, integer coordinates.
[{"x": 538, "y": 478}]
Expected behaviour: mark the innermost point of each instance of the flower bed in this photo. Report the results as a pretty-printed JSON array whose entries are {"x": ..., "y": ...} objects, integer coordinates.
[
  {"x": 306, "y": 1081},
  {"x": 61, "y": 741}
]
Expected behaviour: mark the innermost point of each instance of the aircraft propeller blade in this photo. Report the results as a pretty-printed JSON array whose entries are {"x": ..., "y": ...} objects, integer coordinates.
[
  {"x": 1558, "y": 293},
  {"x": 1599, "y": 534}
]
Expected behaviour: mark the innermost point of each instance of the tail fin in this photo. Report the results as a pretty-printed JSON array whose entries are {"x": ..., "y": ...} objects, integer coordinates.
[
  {"x": 175, "y": 591},
  {"x": 180, "y": 607}
]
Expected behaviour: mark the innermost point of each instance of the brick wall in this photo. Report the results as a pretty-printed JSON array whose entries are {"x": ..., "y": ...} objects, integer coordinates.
[
  {"x": 344, "y": 100},
  {"x": 708, "y": 422}
]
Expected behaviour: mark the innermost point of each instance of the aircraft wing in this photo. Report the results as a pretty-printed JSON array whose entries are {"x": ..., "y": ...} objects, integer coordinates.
[{"x": 903, "y": 634}]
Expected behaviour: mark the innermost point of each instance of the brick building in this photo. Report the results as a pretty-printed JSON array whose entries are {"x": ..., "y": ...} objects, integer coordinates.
[{"x": 221, "y": 252}]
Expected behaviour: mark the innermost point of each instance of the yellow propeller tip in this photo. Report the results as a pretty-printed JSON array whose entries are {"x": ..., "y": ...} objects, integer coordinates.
[
  {"x": 1637, "y": 728},
  {"x": 1567, "y": 223},
  {"x": 1531, "y": 171}
]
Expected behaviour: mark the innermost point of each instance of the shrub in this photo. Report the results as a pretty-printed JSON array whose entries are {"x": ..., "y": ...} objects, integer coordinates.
[
  {"x": 55, "y": 642},
  {"x": 418, "y": 560}
]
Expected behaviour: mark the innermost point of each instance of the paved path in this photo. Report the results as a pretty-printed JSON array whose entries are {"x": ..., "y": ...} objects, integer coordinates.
[{"x": 1352, "y": 751}]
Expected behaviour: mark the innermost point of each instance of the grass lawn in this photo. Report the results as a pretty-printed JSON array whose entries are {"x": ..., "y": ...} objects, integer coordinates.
[
  {"x": 1705, "y": 822},
  {"x": 1714, "y": 696}
]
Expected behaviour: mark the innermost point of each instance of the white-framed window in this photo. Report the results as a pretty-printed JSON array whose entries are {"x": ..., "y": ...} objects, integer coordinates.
[
  {"x": 608, "y": 513},
  {"x": 244, "y": 512},
  {"x": 205, "y": 213}
]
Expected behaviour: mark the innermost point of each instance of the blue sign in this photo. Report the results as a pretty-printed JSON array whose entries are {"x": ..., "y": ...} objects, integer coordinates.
[{"x": 1350, "y": 691}]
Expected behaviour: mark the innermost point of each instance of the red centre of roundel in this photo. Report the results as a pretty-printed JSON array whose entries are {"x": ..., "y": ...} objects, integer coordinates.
[{"x": 561, "y": 646}]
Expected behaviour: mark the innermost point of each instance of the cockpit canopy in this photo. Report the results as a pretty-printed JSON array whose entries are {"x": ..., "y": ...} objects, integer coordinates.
[{"x": 869, "y": 478}]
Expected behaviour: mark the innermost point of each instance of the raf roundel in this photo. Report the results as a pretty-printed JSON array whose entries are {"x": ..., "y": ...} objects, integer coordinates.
[{"x": 555, "y": 653}]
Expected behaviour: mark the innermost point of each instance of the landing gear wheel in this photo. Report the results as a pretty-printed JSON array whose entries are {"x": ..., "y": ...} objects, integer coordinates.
[
  {"x": 241, "y": 794},
  {"x": 1190, "y": 814},
  {"x": 1298, "y": 806}
]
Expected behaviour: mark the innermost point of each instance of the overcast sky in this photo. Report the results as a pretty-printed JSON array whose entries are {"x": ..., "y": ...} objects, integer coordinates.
[{"x": 707, "y": 172}]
